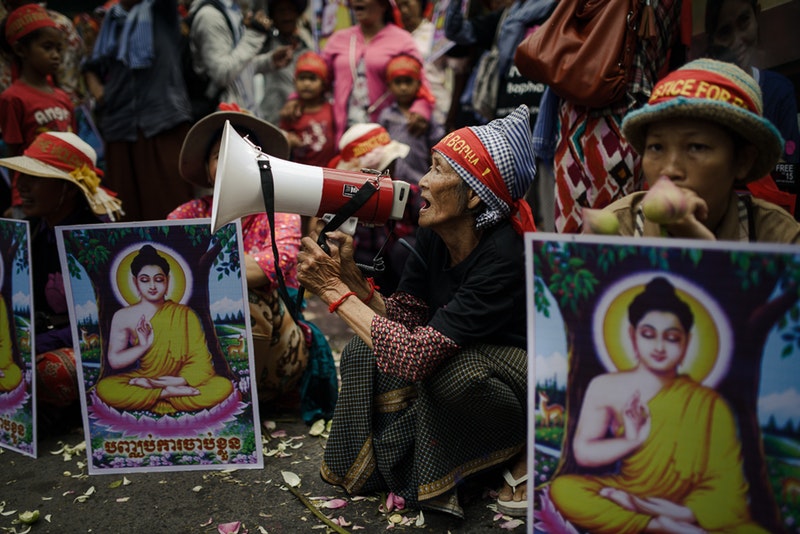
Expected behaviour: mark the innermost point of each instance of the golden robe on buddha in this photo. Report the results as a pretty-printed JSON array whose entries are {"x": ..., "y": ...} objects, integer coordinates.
[
  {"x": 179, "y": 349},
  {"x": 692, "y": 457},
  {"x": 11, "y": 373}
]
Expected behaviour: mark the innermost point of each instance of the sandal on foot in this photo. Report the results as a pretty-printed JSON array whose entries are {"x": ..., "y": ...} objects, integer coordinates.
[{"x": 512, "y": 507}]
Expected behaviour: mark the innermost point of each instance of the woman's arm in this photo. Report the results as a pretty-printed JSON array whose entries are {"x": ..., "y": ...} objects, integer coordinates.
[{"x": 214, "y": 49}]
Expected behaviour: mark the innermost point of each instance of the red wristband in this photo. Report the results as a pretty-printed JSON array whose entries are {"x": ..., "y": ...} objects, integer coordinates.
[
  {"x": 372, "y": 288},
  {"x": 335, "y": 305}
]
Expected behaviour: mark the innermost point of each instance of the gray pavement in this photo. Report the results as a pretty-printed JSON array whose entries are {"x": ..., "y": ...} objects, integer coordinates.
[{"x": 70, "y": 501}]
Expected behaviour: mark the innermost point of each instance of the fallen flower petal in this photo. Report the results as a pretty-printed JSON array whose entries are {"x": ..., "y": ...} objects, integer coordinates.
[
  {"x": 290, "y": 478},
  {"x": 123, "y": 499},
  {"x": 196, "y": 489},
  {"x": 341, "y": 521},
  {"x": 394, "y": 502},
  {"x": 278, "y": 434},
  {"x": 420, "y": 522},
  {"x": 511, "y": 525},
  {"x": 210, "y": 520},
  {"x": 317, "y": 428},
  {"x": 48, "y": 517},
  {"x": 85, "y": 496},
  {"x": 334, "y": 504},
  {"x": 29, "y": 517},
  {"x": 229, "y": 528},
  {"x": 125, "y": 481}
]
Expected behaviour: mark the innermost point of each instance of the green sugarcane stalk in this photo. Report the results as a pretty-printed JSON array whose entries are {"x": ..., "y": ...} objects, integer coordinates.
[{"x": 316, "y": 511}]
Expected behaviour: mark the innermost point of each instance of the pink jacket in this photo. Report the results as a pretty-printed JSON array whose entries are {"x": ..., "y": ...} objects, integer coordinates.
[{"x": 386, "y": 44}]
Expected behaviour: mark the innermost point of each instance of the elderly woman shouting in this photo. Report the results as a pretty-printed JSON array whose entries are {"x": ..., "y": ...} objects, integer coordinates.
[{"x": 434, "y": 384}]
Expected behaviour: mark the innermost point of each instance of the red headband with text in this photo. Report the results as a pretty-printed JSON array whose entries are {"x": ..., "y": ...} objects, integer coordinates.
[
  {"x": 704, "y": 85},
  {"x": 464, "y": 147},
  {"x": 366, "y": 143},
  {"x": 25, "y": 20},
  {"x": 58, "y": 153}
]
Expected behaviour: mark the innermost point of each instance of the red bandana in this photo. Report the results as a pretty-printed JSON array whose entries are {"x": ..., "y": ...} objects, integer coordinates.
[
  {"x": 464, "y": 147},
  {"x": 313, "y": 63}
]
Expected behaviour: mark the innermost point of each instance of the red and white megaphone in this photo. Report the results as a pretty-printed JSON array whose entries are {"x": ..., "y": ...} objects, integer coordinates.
[{"x": 302, "y": 189}]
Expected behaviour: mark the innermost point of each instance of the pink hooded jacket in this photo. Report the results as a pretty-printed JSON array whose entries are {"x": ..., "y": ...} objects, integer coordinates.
[{"x": 386, "y": 44}]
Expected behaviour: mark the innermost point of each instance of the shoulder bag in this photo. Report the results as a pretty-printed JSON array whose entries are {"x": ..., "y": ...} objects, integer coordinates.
[{"x": 584, "y": 51}]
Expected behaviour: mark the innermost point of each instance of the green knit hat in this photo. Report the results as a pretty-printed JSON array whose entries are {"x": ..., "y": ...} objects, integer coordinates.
[{"x": 715, "y": 91}]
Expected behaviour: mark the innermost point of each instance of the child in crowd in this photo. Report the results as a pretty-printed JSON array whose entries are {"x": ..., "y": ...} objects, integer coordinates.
[
  {"x": 311, "y": 136},
  {"x": 32, "y": 105},
  {"x": 403, "y": 74}
]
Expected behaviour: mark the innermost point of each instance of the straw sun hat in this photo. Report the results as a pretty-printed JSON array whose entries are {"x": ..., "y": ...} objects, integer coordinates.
[
  {"x": 65, "y": 156},
  {"x": 715, "y": 91},
  {"x": 194, "y": 152}
]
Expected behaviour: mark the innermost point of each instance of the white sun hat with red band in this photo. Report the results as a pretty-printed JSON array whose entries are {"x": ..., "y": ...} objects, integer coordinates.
[
  {"x": 65, "y": 156},
  {"x": 368, "y": 146},
  {"x": 715, "y": 91}
]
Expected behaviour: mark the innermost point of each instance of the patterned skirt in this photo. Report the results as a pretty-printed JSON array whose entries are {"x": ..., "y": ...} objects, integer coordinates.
[
  {"x": 420, "y": 440},
  {"x": 594, "y": 165},
  {"x": 280, "y": 349}
]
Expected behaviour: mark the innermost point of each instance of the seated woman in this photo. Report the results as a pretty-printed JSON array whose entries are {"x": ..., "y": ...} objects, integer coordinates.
[
  {"x": 289, "y": 355},
  {"x": 434, "y": 386},
  {"x": 59, "y": 184},
  {"x": 163, "y": 341},
  {"x": 680, "y": 457},
  {"x": 702, "y": 137}
]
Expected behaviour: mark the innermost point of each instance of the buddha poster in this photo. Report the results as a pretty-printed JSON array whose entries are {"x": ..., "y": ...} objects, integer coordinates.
[
  {"x": 162, "y": 337},
  {"x": 666, "y": 380},
  {"x": 17, "y": 369}
]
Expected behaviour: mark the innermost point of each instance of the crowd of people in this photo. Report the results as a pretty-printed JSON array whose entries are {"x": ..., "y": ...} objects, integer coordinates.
[{"x": 439, "y": 352}]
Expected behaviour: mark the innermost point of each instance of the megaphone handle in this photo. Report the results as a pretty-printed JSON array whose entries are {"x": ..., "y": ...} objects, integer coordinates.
[{"x": 322, "y": 241}]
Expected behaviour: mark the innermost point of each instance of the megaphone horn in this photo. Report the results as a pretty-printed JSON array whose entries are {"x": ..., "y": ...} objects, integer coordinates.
[{"x": 298, "y": 188}]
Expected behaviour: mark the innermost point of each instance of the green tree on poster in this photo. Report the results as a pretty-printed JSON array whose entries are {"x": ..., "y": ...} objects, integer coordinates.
[
  {"x": 744, "y": 283},
  {"x": 94, "y": 250}
]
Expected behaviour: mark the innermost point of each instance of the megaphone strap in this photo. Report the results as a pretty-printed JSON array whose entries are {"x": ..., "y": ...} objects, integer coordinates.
[
  {"x": 268, "y": 193},
  {"x": 361, "y": 197}
]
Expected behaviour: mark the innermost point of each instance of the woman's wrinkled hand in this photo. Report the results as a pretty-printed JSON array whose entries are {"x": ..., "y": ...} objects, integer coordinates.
[{"x": 317, "y": 271}]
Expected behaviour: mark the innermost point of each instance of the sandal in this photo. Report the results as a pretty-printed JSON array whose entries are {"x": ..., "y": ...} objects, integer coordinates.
[{"x": 513, "y": 508}]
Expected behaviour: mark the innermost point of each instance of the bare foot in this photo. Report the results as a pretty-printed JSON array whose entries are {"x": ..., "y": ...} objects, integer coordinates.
[{"x": 518, "y": 470}]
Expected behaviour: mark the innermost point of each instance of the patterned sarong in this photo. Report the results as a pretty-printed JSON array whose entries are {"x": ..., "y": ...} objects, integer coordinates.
[
  {"x": 594, "y": 165},
  {"x": 421, "y": 440},
  {"x": 279, "y": 345}
]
